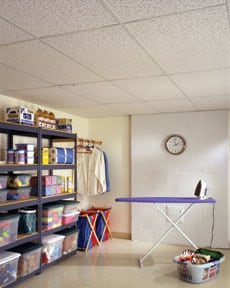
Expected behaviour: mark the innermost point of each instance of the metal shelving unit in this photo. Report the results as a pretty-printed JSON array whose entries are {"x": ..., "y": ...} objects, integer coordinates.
[{"x": 11, "y": 130}]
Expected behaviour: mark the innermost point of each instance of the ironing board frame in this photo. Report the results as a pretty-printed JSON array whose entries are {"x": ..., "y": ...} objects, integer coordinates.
[{"x": 166, "y": 200}]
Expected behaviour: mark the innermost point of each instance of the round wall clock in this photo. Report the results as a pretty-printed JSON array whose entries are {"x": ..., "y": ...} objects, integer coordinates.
[{"x": 175, "y": 144}]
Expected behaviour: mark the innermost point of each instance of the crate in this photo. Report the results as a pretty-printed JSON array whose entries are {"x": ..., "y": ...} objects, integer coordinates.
[
  {"x": 52, "y": 216},
  {"x": 19, "y": 180},
  {"x": 70, "y": 240},
  {"x": 8, "y": 267},
  {"x": 3, "y": 195},
  {"x": 52, "y": 248},
  {"x": 18, "y": 193},
  {"x": 3, "y": 181},
  {"x": 29, "y": 259},
  {"x": 8, "y": 228},
  {"x": 198, "y": 273}
]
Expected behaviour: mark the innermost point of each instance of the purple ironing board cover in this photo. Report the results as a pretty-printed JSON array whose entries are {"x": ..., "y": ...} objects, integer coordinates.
[{"x": 194, "y": 200}]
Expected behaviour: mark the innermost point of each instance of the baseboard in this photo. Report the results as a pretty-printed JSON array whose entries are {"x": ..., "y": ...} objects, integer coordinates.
[{"x": 122, "y": 235}]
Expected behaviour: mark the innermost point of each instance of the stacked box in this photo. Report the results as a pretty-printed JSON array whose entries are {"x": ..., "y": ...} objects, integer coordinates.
[
  {"x": 68, "y": 218},
  {"x": 29, "y": 152},
  {"x": 70, "y": 240},
  {"x": 8, "y": 228},
  {"x": 19, "y": 114},
  {"x": 52, "y": 248},
  {"x": 29, "y": 259},
  {"x": 52, "y": 216},
  {"x": 64, "y": 124},
  {"x": 49, "y": 186},
  {"x": 8, "y": 267}
]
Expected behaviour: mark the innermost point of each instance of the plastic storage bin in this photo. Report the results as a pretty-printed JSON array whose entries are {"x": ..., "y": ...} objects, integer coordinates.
[
  {"x": 52, "y": 216},
  {"x": 70, "y": 240},
  {"x": 3, "y": 181},
  {"x": 18, "y": 180},
  {"x": 27, "y": 221},
  {"x": 8, "y": 267},
  {"x": 3, "y": 195},
  {"x": 70, "y": 206},
  {"x": 22, "y": 193},
  {"x": 52, "y": 248},
  {"x": 30, "y": 258},
  {"x": 71, "y": 217},
  {"x": 8, "y": 228},
  {"x": 197, "y": 273}
]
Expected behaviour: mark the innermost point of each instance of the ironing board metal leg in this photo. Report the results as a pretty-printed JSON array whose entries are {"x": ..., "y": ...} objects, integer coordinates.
[{"x": 173, "y": 225}]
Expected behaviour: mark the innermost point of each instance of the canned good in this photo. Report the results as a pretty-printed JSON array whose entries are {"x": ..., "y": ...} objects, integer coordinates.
[
  {"x": 10, "y": 156},
  {"x": 69, "y": 184},
  {"x": 20, "y": 157}
]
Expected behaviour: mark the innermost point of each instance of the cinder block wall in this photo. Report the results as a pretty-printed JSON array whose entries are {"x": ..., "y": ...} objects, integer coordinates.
[{"x": 155, "y": 172}]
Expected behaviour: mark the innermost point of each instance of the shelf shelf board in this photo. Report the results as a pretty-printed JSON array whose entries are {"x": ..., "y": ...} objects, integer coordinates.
[
  {"x": 47, "y": 199},
  {"x": 21, "y": 239},
  {"x": 15, "y": 204}
]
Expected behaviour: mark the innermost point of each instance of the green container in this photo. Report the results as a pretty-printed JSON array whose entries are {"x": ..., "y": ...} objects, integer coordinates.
[{"x": 27, "y": 221}]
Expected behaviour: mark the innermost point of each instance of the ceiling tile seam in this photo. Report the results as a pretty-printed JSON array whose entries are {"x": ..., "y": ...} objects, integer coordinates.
[
  {"x": 72, "y": 59},
  {"x": 28, "y": 74},
  {"x": 116, "y": 17},
  {"x": 172, "y": 14}
]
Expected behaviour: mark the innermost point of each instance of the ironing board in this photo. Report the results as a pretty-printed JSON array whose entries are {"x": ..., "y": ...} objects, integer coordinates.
[{"x": 159, "y": 200}]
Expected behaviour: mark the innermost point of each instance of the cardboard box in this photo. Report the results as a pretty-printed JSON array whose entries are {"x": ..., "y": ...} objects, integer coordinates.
[{"x": 19, "y": 114}]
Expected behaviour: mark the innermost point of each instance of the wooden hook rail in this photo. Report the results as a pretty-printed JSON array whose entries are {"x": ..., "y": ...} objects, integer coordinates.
[{"x": 81, "y": 140}]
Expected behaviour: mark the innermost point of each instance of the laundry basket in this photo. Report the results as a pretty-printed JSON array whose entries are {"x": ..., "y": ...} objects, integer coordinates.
[{"x": 198, "y": 273}]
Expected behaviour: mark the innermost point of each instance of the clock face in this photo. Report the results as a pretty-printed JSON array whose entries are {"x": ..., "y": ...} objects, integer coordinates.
[{"x": 175, "y": 144}]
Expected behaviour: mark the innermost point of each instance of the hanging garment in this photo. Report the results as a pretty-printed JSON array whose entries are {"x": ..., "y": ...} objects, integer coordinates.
[
  {"x": 91, "y": 172},
  {"x": 106, "y": 172}
]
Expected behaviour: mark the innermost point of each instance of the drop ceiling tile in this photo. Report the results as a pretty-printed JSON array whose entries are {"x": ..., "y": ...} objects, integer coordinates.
[
  {"x": 134, "y": 108},
  {"x": 42, "y": 18},
  {"x": 9, "y": 33},
  {"x": 44, "y": 62},
  {"x": 173, "y": 105},
  {"x": 212, "y": 102},
  {"x": 55, "y": 97},
  {"x": 129, "y": 10},
  {"x": 110, "y": 52},
  {"x": 93, "y": 111},
  {"x": 11, "y": 79},
  {"x": 208, "y": 83},
  {"x": 190, "y": 41},
  {"x": 102, "y": 92},
  {"x": 151, "y": 88}
]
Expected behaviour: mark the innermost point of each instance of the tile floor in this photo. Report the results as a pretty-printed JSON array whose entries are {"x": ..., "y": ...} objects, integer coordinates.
[{"x": 115, "y": 264}]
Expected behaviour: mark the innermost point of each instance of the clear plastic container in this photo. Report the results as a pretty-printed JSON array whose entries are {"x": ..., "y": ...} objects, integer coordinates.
[
  {"x": 52, "y": 248},
  {"x": 8, "y": 267}
]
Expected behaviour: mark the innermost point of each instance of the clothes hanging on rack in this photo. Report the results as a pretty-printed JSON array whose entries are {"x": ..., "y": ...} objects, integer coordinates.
[{"x": 92, "y": 171}]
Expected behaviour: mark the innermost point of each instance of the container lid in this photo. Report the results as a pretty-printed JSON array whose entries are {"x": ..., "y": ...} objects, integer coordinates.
[
  {"x": 52, "y": 238},
  {"x": 7, "y": 256},
  {"x": 3, "y": 190},
  {"x": 25, "y": 248},
  {"x": 19, "y": 174},
  {"x": 3, "y": 175},
  {"x": 71, "y": 214},
  {"x": 19, "y": 188},
  {"x": 27, "y": 211}
]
